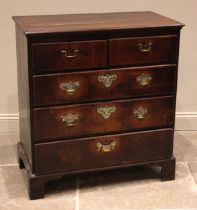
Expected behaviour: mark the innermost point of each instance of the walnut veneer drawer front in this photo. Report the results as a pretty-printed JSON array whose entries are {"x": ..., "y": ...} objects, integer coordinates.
[
  {"x": 89, "y": 119},
  {"x": 103, "y": 151},
  {"x": 69, "y": 55},
  {"x": 103, "y": 84},
  {"x": 143, "y": 50}
]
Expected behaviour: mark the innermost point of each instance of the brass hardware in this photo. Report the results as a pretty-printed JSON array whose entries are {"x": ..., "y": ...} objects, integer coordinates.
[
  {"x": 144, "y": 79},
  {"x": 70, "y": 87},
  {"x": 107, "y": 79},
  {"x": 70, "y": 53},
  {"x": 70, "y": 119},
  {"x": 106, "y": 147},
  {"x": 140, "y": 112},
  {"x": 145, "y": 47},
  {"x": 106, "y": 111}
]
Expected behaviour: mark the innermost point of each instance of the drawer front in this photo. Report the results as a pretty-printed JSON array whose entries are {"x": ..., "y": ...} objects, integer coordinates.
[
  {"x": 113, "y": 84},
  {"x": 98, "y": 118},
  {"x": 143, "y": 50},
  {"x": 107, "y": 151},
  {"x": 69, "y": 55}
]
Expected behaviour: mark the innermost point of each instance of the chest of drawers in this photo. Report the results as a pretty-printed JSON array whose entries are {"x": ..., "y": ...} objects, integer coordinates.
[{"x": 96, "y": 92}]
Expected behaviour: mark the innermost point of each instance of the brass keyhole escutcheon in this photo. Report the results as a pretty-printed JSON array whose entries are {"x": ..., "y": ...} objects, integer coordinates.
[
  {"x": 140, "y": 113},
  {"x": 70, "y": 87},
  {"x": 106, "y": 111},
  {"x": 107, "y": 79}
]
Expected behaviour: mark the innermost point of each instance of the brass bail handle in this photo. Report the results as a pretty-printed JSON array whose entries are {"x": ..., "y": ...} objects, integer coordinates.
[
  {"x": 106, "y": 147},
  {"x": 70, "y": 52},
  {"x": 145, "y": 46},
  {"x": 70, "y": 119}
]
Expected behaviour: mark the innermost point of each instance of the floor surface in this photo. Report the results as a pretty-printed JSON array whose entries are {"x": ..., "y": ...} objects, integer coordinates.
[{"x": 125, "y": 189}]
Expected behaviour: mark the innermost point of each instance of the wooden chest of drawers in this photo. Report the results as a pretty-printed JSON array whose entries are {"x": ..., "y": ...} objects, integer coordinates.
[{"x": 96, "y": 92}]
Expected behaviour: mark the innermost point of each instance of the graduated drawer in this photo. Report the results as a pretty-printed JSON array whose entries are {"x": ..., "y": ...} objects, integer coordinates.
[
  {"x": 97, "y": 85},
  {"x": 100, "y": 118},
  {"x": 105, "y": 151},
  {"x": 68, "y": 55},
  {"x": 143, "y": 50}
]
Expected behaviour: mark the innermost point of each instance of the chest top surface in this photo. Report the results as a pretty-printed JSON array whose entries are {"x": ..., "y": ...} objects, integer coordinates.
[{"x": 93, "y": 22}]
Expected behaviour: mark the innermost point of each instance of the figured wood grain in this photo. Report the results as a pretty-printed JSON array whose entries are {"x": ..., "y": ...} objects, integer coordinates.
[
  {"x": 47, "y": 89},
  {"x": 49, "y": 56},
  {"x": 126, "y": 51},
  {"x": 130, "y": 148},
  {"x": 49, "y": 125},
  {"x": 86, "y": 22}
]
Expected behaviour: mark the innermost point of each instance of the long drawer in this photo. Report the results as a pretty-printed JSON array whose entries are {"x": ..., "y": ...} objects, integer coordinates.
[
  {"x": 106, "y": 151},
  {"x": 87, "y": 86},
  {"x": 143, "y": 50},
  {"x": 102, "y": 118},
  {"x": 69, "y": 55}
]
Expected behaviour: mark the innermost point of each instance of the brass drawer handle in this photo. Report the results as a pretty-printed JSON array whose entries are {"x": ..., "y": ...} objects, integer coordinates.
[
  {"x": 145, "y": 47},
  {"x": 106, "y": 111},
  {"x": 70, "y": 87},
  {"x": 107, "y": 79},
  {"x": 140, "y": 113},
  {"x": 70, "y": 53},
  {"x": 70, "y": 119},
  {"x": 106, "y": 147},
  {"x": 144, "y": 79}
]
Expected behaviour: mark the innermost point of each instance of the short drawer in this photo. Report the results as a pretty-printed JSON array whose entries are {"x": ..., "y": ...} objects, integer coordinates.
[
  {"x": 143, "y": 50},
  {"x": 68, "y": 55},
  {"x": 103, "y": 117},
  {"x": 107, "y": 151},
  {"x": 104, "y": 84}
]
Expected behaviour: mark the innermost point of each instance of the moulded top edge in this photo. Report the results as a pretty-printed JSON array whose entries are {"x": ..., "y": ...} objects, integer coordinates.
[{"x": 40, "y": 24}]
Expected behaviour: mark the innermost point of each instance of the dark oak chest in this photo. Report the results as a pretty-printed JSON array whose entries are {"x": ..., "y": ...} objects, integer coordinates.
[{"x": 96, "y": 92}]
